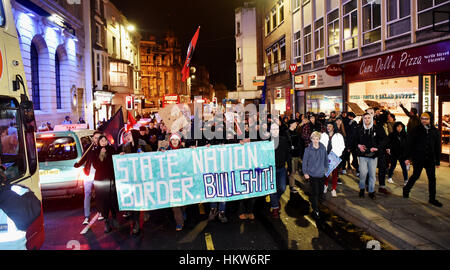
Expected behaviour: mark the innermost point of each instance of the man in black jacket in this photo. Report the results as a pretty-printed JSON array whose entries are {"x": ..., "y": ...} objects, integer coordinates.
[
  {"x": 296, "y": 146},
  {"x": 89, "y": 171},
  {"x": 424, "y": 150},
  {"x": 350, "y": 130},
  {"x": 282, "y": 156}
]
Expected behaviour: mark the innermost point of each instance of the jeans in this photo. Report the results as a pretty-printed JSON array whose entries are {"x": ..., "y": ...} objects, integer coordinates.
[
  {"x": 394, "y": 164},
  {"x": 281, "y": 188},
  {"x": 222, "y": 206},
  {"x": 367, "y": 168},
  {"x": 87, "y": 197}
]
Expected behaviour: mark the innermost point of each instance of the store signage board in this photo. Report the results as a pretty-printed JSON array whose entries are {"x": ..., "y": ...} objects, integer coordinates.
[
  {"x": 443, "y": 84},
  {"x": 426, "y": 94},
  {"x": 334, "y": 70},
  {"x": 424, "y": 59},
  {"x": 317, "y": 79},
  {"x": 293, "y": 68}
]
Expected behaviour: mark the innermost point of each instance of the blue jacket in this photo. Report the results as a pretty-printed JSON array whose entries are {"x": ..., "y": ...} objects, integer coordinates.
[{"x": 315, "y": 161}]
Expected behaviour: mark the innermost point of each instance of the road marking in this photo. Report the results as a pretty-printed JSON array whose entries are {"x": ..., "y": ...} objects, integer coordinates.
[
  {"x": 90, "y": 224},
  {"x": 209, "y": 242},
  {"x": 192, "y": 235},
  {"x": 310, "y": 221},
  {"x": 201, "y": 208}
]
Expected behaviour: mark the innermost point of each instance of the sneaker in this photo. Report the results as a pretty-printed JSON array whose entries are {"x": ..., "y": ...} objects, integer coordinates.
[
  {"x": 435, "y": 203},
  {"x": 390, "y": 181},
  {"x": 276, "y": 213},
  {"x": 325, "y": 188},
  {"x": 315, "y": 215},
  {"x": 212, "y": 214},
  {"x": 126, "y": 215},
  {"x": 179, "y": 227},
  {"x": 243, "y": 216},
  {"x": 339, "y": 181},
  {"x": 294, "y": 190},
  {"x": 100, "y": 217},
  {"x": 384, "y": 191},
  {"x": 251, "y": 216},
  {"x": 361, "y": 193},
  {"x": 86, "y": 221},
  {"x": 405, "y": 183},
  {"x": 344, "y": 172},
  {"x": 333, "y": 193},
  {"x": 222, "y": 217},
  {"x": 357, "y": 174},
  {"x": 372, "y": 195}
]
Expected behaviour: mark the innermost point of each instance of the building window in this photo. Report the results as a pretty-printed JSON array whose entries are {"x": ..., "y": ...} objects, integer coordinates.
[
  {"x": 398, "y": 17},
  {"x": 425, "y": 12},
  {"x": 35, "y": 77},
  {"x": 318, "y": 39},
  {"x": 297, "y": 48},
  {"x": 98, "y": 34},
  {"x": 166, "y": 81},
  {"x": 238, "y": 56},
  {"x": 2, "y": 15},
  {"x": 295, "y": 5},
  {"x": 58, "y": 82},
  {"x": 281, "y": 10},
  {"x": 307, "y": 44},
  {"x": 114, "y": 44},
  {"x": 282, "y": 45},
  {"x": 275, "y": 54},
  {"x": 371, "y": 21},
  {"x": 350, "y": 22},
  {"x": 98, "y": 67},
  {"x": 118, "y": 74},
  {"x": 238, "y": 28},
  {"x": 333, "y": 32},
  {"x": 274, "y": 18},
  {"x": 239, "y": 79},
  {"x": 267, "y": 25}
]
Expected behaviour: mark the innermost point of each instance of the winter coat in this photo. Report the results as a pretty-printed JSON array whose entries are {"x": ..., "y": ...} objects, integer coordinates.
[
  {"x": 424, "y": 144},
  {"x": 398, "y": 143},
  {"x": 337, "y": 143},
  {"x": 374, "y": 137},
  {"x": 104, "y": 169},
  {"x": 315, "y": 161},
  {"x": 297, "y": 143},
  {"x": 282, "y": 153}
]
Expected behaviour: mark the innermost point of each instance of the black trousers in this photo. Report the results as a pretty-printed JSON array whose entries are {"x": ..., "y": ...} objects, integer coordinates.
[
  {"x": 430, "y": 168},
  {"x": 246, "y": 206},
  {"x": 106, "y": 197},
  {"x": 394, "y": 160},
  {"x": 316, "y": 191}
]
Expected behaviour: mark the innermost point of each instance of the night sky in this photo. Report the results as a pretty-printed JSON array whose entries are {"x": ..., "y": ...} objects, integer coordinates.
[{"x": 216, "y": 45}]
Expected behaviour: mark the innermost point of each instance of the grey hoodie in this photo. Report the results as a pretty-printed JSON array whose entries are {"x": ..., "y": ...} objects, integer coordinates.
[{"x": 315, "y": 161}]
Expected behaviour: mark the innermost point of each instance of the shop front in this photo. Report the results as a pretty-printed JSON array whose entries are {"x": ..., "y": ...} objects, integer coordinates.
[
  {"x": 443, "y": 108},
  {"x": 408, "y": 77},
  {"x": 103, "y": 105},
  {"x": 318, "y": 92}
]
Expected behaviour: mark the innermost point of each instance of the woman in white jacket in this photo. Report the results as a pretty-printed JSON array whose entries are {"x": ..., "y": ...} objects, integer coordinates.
[{"x": 333, "y": 141}]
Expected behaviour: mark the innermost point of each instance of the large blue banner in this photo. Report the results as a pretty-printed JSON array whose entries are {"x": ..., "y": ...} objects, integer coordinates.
[{"x": 148, "y": 181}]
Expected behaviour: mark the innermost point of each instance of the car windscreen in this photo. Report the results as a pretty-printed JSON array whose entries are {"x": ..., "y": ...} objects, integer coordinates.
[{"x": 56, "y": 149}]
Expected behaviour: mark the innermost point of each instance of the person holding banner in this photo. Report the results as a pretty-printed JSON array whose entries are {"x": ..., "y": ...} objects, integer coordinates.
[
  {"x": 335, "y": 143},
  {"x": 178, "y": 212},
  {"x": 135, "y": 145},
  {"x": 106, "y": 197}
]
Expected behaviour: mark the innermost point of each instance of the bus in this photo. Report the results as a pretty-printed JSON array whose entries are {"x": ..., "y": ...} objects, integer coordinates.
[{"x": 21, "y": 215}]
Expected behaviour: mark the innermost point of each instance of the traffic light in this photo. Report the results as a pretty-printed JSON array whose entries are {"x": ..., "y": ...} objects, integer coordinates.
[{"x": 129, "y": 103}]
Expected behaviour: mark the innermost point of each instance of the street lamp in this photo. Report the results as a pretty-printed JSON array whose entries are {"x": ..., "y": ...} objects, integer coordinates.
[{"x": 131, "y": 28}]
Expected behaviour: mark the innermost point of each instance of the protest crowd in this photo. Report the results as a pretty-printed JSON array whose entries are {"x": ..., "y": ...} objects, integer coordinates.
[{"x": 305, "y": 145}]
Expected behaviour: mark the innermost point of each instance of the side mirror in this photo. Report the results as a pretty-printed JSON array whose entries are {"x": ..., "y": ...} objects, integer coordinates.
[{"x": 27, "y": 111}]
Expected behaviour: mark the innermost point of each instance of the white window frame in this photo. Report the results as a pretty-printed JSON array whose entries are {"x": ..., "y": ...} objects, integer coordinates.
[
  {"x": 370, "y": 3},
  {"x": 426, "y": 10},
  {"x": 335, "y": 24},
  {"x": 99, "y": 35},
  {"x": 97, "y": 5},
  {"x": 279, "y": 9},
  {"x": 238, "y": 28},
  {"x": 349, "y": 14},
  {"x": 281, "y": 44},
  {"x": 268, "y": 30},
  {"x": 296, "y": 4},
  {"x": 272, "y": 13},
  {"x": 239, "y": 54},
  {"x": 398, "y": 19},
  {"x": 305, "y": 37},
  {"x": 317, "y": 33},
  {"x": 297, "y": 47},
  {"x": 113, "y": 73}
]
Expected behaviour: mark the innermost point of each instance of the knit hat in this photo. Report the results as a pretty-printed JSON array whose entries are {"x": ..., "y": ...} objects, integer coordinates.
[
  {"x": 175, "y": 136},
  {"x": 426, "y": 115}
]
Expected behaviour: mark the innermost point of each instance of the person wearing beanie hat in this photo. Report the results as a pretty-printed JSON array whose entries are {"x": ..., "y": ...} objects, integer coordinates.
[{"x": 423, "y": 148}]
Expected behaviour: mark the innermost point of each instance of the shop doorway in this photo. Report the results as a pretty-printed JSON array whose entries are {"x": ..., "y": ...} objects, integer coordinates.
[{"x": 444, "y": 127}]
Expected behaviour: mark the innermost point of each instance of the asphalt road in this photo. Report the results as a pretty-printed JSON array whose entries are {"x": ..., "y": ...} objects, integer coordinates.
[{"x": 63, "y": 226}]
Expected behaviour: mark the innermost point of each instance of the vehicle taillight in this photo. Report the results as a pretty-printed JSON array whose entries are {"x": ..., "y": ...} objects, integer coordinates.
[{"x": 47, "y": 136}]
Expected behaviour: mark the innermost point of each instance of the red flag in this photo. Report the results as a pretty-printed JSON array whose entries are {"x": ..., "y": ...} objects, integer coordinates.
[
  {"x": 113, "y": 128},
  {"x": 130, "y": 121},
  {"x": 190, "y": 52}
]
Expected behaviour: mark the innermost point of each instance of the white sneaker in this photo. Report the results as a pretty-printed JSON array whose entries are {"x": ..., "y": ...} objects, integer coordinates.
[
  {"x": 390, "y": 181},
  {"x": 344, "y": 172},
  {"x": 333, "y": 193},
  {"x": 406, "y": 182},
  {"x": 86, "y": 221},
  {"x": 325, "y": 188},
  {"x": 100, "y": 217}
]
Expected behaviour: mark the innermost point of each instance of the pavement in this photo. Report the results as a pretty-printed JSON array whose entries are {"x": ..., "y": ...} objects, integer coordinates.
[{"x": 398, "y": 223}]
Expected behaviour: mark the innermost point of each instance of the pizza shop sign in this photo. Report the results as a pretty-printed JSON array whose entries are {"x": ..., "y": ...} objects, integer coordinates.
[{"x": 424, "y": 59}]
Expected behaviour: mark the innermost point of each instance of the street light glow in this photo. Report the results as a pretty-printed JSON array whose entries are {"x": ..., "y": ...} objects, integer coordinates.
[{"x": 131, "y": 28}]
